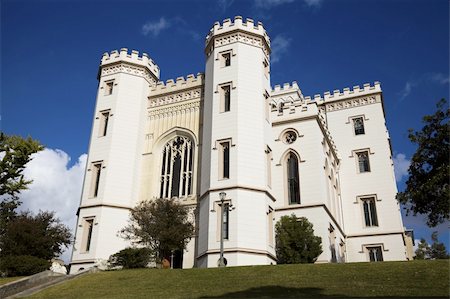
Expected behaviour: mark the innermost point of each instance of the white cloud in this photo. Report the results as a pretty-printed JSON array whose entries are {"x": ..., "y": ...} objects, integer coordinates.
[
  {"x": 440, "y": 78},
  {"x": 56, "y": 186},
  {"x": 155, "y": 27},
  {"x": 280, "y": 45},
  {"x": 313, "y": 3},
  {"x": 224, "y": 4},
  {"x": 401, "y": 165},
  {"x": 406, "y": 91}
]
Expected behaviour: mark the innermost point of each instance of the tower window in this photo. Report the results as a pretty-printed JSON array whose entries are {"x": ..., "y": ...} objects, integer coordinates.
[
  {"x": 224, "y": 160},
  {"x": 226, "y": 59},
  {"x": 226, "y": 221},
  {"x": 363, "y": 161},
  {"x": 177, "y": 168},
  {"x": 87, "y": 234},
  {"x": 109, "y": 85},
  {"x": 104, "y": 119},
  {"x": 370, "y": 211},
  {"x": 266, "y": 68},
  {"x": 358, "y": 126},
  {"x": 293, "y": 179},
  {"x": 96, "y": 174},
  {"x": 225, "y": 98},
  {"x": 375, "y": 253}
]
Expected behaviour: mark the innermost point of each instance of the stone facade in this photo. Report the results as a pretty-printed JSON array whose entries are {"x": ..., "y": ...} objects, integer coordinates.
[{"x": 273, "y": 151}]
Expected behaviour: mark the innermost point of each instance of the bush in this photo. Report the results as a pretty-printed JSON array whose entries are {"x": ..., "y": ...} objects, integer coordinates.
[
  {"x": 22, "y": 265},
  {"x": 295, "y": 241},
  {"x": 130, "y": 258}
]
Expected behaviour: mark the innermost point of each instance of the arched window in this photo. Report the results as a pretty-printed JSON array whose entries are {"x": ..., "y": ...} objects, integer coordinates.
[
  {"x": 293, "y": 179},
  {"x": 176, "y": 169}
]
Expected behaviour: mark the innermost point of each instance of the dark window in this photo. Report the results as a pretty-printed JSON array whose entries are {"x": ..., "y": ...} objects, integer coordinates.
[
  {"x": 90, "y": 224},
  {"x": 226, "y": 98},
  {"x": 226, "y": 160},
  {"x": 370, "y": 211},
  {"x": 104, "y": 124},
  {"x": 363, "y": 161},
  {"x": 375, "y": 254},
  {"x": 109, "y": 88},
  {"x": 176, "y": 168},
  {"x": 226, "y": 223},
  {"x": 293, "y": 179},
  {"x": 226, "y": 59},
  {"x": 97, "y": 172},
  {"x": 358, "y": 124}
]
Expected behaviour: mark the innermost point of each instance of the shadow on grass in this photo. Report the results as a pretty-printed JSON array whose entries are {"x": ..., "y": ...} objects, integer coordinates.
[{"x": 283, "y": 292}]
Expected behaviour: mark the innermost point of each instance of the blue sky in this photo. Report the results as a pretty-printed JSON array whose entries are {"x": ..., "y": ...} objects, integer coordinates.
[{"x": 50, "y": 52}]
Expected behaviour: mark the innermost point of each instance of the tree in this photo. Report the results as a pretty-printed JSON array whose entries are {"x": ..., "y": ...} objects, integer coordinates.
[
  {"x": 161, "y": 225},
  {"x": 427, "y": 188},
  {"x": 29, "y": 242},
  {"x": 437, "y": 249},
  {"x": 295, "y": 241},
  {"x": 15, "y": 153},
  {"x": 422, "y": 250}
]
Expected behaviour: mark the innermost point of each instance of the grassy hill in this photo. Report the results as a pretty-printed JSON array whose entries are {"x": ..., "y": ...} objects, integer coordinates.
[{"x": 388, "y": 279}]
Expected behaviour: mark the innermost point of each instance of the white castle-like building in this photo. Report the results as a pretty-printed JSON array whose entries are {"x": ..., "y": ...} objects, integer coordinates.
[{"x": 273, "y": 151}]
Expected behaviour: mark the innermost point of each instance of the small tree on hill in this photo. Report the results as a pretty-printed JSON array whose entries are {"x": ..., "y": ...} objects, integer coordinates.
[
  {"x": 436, "y": 251},
  {"x": 427, "y": 188},
  {"x": 161, "y": 225},
  {"x": 422, "y": 250},
  {"x": 295, "y": 241}
]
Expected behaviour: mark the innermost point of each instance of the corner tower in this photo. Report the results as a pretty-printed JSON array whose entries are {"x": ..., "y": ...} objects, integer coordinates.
[
  {"x": 112, "y": 177},
  {"x": 236, "y": 152}
]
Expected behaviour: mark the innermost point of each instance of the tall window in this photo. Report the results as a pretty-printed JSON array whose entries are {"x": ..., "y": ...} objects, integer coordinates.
[
  {"x": 226, "y": 59},
  {"x": 87, "y": 235},
  {"x": 226, "y": 220},
  {"x": 96, "y": 174},
  {"x": 104, "y": 119},
  {"x": 375, "y": 254},
  {"x": 293, "y": 179},
  {"x": 176, "y": 169},
  {"x": 363, "y": 161},
  {"x": 225, "y": 98},
  {"x": 224, "y": 160},
  {"x": 370, "y": 211},
  {"x": 109, "y": 85},
  {"x": 269, "y": 166},
  {"x": 358, "y": 125}
]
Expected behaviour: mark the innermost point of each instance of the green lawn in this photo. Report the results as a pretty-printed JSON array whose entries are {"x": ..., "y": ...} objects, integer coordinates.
[
  {"x": 5, "y": 280},
  {"x": 388, "y": 279}
]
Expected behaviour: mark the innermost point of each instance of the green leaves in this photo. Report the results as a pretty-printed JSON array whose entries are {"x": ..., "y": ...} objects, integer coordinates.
[
  {"x": 295, "y": 241},
  {"x": 161, "y": 225},
  {"x": 427, "y": 188}
]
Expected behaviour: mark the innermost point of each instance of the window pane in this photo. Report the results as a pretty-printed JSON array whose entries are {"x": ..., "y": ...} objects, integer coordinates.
[
  {"x": 373, "y": 212},
  {"x": 358, "y": 124},
  {"x": 226, "y": 95},
  {"x": 366, "y": 213},
  {"x": 293, "y": 180},
  {"x": 226, "y": 214},
  {"x": 226, "y": 160}
]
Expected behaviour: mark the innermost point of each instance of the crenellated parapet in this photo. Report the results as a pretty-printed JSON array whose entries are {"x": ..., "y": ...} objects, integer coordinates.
[
  {"x": 132, "y": 63},
  {"x": 178, "y": 90},
  {"x": 237, "y": 30}
]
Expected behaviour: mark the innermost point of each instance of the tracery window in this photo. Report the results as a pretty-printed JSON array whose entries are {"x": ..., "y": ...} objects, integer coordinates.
[
  {"x": 176, "y": 169},
  {"x": 293, "y": 179}
]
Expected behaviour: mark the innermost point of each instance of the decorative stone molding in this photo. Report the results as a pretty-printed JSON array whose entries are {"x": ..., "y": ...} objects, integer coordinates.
[
  {"x": 123, "y": 67},
  {"x": 346, "y": 104},
  {"x": 176, "y": 108},
  {"x": 186, "y": 95}
]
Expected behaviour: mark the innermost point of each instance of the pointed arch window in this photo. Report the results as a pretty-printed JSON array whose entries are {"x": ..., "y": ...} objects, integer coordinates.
[
  {"x": 293, "y": 181},
  {"x": 176, "y": 168}
]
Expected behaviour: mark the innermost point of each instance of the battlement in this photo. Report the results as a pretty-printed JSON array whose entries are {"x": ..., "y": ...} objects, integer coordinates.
[
  {"x": 178, "y": 84},
  {"x": 237, "y": 24},
  {"x": 346, "y": 93},
  {"x": 286, "y": 88},
  {"x": 133, "y": 57}
]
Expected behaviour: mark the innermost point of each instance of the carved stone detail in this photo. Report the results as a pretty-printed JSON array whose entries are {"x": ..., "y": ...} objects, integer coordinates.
[
  {"x": 195, "y": 105},
  {"x": 350, "y": 103},
  {"x": 240, "y": 37},
  {"x": 175, "y": 98},
  {"x": 128, "y": 69}
]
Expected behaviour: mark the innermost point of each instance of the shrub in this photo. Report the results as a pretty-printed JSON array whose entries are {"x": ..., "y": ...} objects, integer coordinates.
[
  {"x": 129, "y": 258},
  {"x": 295, "y": 241},
  {"x": 22, "y": 265}
]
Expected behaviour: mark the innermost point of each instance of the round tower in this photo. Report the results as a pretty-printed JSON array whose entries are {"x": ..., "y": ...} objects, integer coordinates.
[
  {"x": 236, "y": 151},
  {"x": 112, "y": 177}
]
